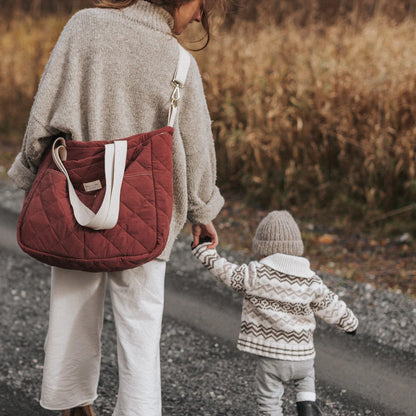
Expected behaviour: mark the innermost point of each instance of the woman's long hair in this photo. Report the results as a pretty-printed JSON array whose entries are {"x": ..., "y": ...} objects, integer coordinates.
[{"x": 170, "y": 6}]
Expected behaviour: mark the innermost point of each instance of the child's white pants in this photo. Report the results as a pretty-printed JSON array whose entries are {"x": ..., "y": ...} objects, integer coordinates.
[
  {"x": 72, "y": 347},
  {"x": 270, "y": 376}
]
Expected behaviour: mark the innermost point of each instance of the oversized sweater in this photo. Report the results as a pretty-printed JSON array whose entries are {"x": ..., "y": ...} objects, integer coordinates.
[
  {"x": 281, "y": 296},
  {"x": 109, "y": 77}
]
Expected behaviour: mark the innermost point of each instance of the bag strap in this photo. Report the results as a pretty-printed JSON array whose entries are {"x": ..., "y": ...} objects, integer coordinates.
[
  {"x": 178, "y": 82},
  {"x": 114, "y": 163}
]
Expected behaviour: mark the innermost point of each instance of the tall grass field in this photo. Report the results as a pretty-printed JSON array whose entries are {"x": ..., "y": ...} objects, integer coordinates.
[{"x": 313, "y": 102}]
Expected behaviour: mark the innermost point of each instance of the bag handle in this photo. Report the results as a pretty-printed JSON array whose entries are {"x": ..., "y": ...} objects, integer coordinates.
[{"x": 115, "y": 163}]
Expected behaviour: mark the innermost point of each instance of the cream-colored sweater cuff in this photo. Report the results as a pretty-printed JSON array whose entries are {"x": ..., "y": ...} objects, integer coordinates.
[
  {"x": 22, "y": 176},
  {"x": 206, "y": 213}
]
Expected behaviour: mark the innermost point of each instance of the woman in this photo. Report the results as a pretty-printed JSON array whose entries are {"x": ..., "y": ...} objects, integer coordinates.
[{"x": 109, "y": 77}]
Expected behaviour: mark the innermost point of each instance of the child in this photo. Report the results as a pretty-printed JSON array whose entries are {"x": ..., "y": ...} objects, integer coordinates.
[{"x": 281, "y": 296}]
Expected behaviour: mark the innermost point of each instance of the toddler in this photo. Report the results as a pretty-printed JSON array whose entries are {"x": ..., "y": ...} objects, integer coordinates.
[{"x": 281, "y": 296}]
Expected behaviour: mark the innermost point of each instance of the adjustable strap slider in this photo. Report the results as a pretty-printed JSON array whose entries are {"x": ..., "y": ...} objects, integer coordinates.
[{"x": 176, "y": 95}]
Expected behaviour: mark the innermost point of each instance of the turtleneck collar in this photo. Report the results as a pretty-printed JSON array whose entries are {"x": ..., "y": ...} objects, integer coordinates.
[
  {"x": 149, "y": 14},
  {"x": 291, "y": 265}
]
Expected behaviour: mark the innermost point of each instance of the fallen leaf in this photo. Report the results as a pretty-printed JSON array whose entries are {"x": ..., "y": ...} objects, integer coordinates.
[{"x": 327, "y": 239}]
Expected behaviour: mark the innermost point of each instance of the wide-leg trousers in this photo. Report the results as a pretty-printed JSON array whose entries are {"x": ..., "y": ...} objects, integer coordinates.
[{"x": 73, "y": 348}]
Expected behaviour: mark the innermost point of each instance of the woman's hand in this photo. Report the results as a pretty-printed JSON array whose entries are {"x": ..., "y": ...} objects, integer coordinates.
[{"x": 200, "y": 231}]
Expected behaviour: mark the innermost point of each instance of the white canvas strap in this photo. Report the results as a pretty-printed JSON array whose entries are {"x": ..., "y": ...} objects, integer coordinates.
[
  {"x": 114, "y": 163},
  {"x": 178, "y": 82}
]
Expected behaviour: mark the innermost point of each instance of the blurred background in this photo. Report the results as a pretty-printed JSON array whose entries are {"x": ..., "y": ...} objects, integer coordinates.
[{"x": 313, "y": 105}]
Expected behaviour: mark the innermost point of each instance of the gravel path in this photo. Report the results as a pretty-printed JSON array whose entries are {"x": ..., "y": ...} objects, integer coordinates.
[{"x": 202, "y": 376}]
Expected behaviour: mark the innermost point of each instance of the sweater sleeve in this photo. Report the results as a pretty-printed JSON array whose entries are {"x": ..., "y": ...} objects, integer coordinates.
[
  {"x": 24, "y": 168},
  {"x": 237, "y": 277},
  {"x": 204, "y": 198},
  {"x": 333, "y": 310}
]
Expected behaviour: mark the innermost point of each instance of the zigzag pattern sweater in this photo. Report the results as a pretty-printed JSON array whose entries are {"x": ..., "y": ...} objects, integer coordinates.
[{"x": 281, "y": 296}]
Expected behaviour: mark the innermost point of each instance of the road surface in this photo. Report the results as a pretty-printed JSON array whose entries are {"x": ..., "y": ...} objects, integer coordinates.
[{"x": 363, "y": 374}]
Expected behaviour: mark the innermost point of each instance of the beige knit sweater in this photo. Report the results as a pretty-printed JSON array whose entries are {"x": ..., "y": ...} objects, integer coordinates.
[{"x": 108, "y": 77}]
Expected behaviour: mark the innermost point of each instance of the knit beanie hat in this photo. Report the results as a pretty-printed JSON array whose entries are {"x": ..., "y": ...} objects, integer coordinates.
[{"x": 278, "y": 233}]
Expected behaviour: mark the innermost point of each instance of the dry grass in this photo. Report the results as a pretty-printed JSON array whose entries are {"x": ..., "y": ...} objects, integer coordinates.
[
  {"x": 304, "y": 12},
  {"x": 38, "y": 8},
  {"x": 300, "y": 11},
  {"x": 319, "y": 115},
  {"x": 305, "y": 113},
  {"x": 24, "y": 48}
]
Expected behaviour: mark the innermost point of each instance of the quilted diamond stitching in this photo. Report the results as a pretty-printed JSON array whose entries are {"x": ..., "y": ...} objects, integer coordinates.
[{"x": 161, "y": 216}]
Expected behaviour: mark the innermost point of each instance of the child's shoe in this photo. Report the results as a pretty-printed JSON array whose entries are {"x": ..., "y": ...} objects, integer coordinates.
[
  {"x": 79, "y": 411},
  {"x": 308, "y": 408}
]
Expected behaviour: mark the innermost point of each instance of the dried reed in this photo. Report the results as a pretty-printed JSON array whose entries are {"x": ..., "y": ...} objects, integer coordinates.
[{"x": 319, "y": 115}]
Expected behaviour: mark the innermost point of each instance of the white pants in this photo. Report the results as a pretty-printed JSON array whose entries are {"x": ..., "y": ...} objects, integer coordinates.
[{"x": 73, "y": 348}]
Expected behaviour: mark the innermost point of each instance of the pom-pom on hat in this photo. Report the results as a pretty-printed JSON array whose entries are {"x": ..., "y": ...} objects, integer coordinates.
[{"x": 278, "y": 233}]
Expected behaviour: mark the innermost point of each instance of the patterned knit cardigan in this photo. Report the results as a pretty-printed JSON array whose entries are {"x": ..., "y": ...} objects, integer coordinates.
[{"x": 281, "y": 296}]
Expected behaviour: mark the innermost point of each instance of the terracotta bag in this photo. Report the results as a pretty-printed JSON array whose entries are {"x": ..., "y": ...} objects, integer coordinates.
[{"x": 103, "y": 205}]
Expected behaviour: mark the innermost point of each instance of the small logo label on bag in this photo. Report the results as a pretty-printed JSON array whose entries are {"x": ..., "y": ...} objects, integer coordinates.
[{"x": 92, "y": 186}]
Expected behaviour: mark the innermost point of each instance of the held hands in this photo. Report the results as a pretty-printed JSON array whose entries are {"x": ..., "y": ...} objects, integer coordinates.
[{"x": 204, "y": 233}]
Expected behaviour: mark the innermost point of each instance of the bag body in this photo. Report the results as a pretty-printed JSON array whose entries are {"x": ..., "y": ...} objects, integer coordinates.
[
  {"x": 48, "y": 231},
  {"x": 102, "y": 206}
]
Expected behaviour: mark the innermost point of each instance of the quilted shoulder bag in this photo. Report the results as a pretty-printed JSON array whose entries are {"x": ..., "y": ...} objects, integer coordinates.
[{"x": 103, "y": 205}]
